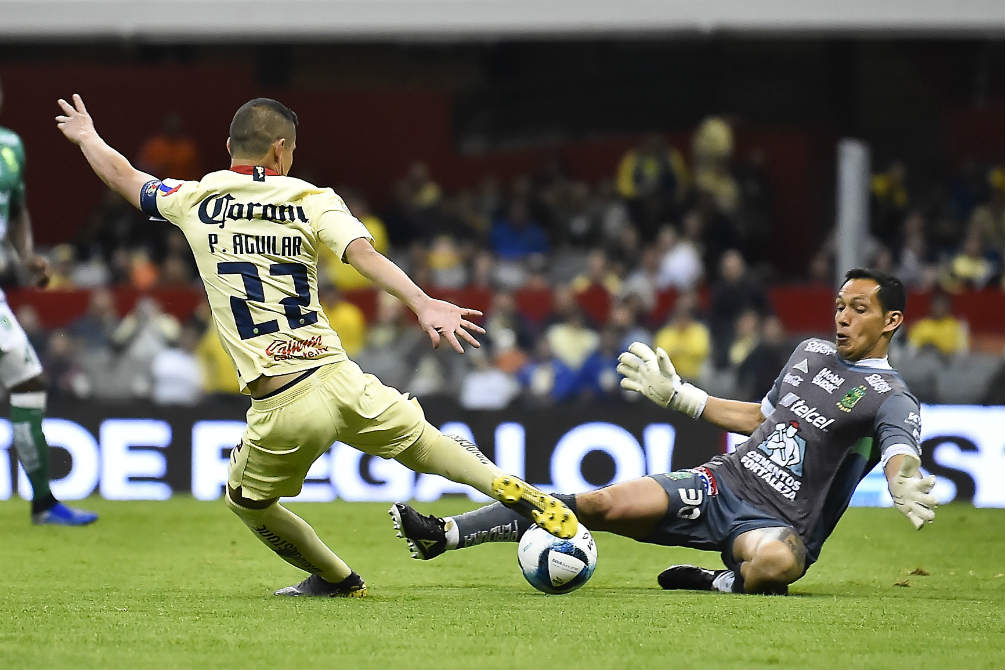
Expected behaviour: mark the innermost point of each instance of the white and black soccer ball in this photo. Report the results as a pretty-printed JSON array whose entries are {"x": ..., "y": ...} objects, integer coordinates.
[{"x": 553, "y": 565}]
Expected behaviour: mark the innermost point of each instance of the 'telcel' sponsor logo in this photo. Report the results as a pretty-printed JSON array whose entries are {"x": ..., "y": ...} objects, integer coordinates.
[{"x": 810, "y": 415}]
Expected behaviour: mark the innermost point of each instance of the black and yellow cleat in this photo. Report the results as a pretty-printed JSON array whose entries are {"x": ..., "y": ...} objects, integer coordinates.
[
  {"x": 546, "y": 511},
  {"x": 350, "y": 587},
  {"x": 424, "y": 533}
]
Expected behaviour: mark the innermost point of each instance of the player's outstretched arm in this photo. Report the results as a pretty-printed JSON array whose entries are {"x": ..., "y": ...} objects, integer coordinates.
[
  {"x": 735, "y": 416},
  {"x": 652, "y": 374},
  {"x": 438, "y": 318},
  {"x": 110, "y": 166},
  {"x": 910, "y": 490}
]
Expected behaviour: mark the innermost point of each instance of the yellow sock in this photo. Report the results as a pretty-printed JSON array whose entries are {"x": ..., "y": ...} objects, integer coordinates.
[
  {"x": 452, "y": 457},
  {"x": 292, "y": 539}
]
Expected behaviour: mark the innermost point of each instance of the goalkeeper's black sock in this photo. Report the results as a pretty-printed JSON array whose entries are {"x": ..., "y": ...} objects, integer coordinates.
[
  {"x": 492, "y": 523},
  {"x": 569, "y": 499}
]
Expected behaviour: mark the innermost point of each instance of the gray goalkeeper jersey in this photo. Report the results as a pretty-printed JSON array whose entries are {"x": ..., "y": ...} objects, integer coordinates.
[{"x": 828, "y": 422}]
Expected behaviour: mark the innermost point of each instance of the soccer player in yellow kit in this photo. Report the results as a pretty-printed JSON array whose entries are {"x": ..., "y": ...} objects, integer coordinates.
[{"x": 255, "y": 234}]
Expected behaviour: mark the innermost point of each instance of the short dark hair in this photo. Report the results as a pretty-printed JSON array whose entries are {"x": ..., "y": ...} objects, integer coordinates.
[
  {"x": 891, "y": 293},
  {"x": 258, "y": 123}
]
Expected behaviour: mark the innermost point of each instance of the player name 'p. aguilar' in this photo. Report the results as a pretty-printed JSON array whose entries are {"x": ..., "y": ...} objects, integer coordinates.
[{"x": 217, "y": 209}]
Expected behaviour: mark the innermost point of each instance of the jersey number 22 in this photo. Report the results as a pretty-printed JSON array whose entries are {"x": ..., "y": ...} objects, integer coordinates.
[{"x": 246, "y": 326}]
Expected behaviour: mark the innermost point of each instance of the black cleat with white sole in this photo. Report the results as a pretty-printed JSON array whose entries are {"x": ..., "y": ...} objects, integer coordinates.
[
  {"x": 423, "y": 532},
  {"x": 689, "y": 577},
  {"x": 350, "y": 587}
]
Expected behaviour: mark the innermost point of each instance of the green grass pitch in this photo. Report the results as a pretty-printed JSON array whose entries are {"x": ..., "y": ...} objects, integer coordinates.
[{"x": 183, "y": 584}]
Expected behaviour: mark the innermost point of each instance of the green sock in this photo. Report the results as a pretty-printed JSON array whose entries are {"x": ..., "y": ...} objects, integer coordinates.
[{"x": 26, "y": 413}]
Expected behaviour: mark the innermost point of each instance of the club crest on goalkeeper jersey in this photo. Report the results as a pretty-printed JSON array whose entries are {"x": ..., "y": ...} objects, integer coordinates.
[{"x": 255, "y": 236}]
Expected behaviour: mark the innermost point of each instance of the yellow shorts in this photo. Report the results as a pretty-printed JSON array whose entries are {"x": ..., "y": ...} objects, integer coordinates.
[{"x": 287, "y": 432}]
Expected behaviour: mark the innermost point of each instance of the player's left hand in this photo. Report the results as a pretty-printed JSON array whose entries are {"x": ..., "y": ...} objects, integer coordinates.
[
  {"x": 649, "y": 373},
  {"x": 39, "y": 270},
  {"x": 911, "y": 492},
  {"x": 75, "y": 122},
  {"x": 442, "y": 319}
]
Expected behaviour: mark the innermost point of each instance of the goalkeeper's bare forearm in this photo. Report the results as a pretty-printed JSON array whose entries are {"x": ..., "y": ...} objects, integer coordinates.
[
  {"x": 652, "y": 374},
  {"x": 734, "y": 416}
]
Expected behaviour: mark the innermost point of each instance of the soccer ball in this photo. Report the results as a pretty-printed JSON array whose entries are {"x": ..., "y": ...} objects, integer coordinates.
[{"x": 553, "y": 565}]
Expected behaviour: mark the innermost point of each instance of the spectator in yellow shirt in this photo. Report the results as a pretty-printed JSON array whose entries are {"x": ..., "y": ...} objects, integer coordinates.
[
  {"x": 989, "y": 217},
  {"x": 346, "y": 318},
  {"x": 650, "y": 167},
  {"x": 569, "y": 336},
  {"x": 712, "y": 152},
  {"x": 598, "y": 272},
  {"x": 653, "y": 179},
  {"x": 218, "y": 372},
  {"x": 343, "y": 275},
  {"x": 684, "y": 338},
  {"x": 940, "y": 330}
]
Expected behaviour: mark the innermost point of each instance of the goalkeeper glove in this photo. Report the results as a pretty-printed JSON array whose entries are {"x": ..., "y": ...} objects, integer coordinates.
[
  {"x": 653, "y": 375},
  {"x": 911, "y": 493}
]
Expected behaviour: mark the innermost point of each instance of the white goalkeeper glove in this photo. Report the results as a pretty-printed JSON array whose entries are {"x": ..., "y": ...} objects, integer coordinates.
[
  {"x": 911, "y": 493},
  {"x": 653, "y": 375}
]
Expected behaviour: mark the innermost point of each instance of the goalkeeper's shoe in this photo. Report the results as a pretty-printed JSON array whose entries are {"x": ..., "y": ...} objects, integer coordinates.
[
  {"x": 61, "y": 515},
  {"x": 546, "y": 511},
  {"x": 424, "y": 533},
  {"x": 350, "y": 587},
  {"x": 689, "y": 577}
]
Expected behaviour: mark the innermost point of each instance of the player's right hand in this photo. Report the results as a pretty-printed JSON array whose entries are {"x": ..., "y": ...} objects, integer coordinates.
[
  {"x": 654, "y": 376},
  {"x": 442, "y": 319},
  {"x": 38, "y": 268},
  {"x": 911, "y": 492},
  {"x": 75, "y": 123}
]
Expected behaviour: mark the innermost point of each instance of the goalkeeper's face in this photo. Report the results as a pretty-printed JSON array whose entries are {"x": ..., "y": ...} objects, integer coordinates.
[{"x": 860, "y": 322}]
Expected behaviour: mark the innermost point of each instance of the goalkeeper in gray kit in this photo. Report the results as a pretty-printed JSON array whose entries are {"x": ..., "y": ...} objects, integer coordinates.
[{"x": 836, "y": 409}]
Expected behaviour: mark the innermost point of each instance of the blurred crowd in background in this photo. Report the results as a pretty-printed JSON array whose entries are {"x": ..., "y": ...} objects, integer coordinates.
[{"x": 696, "y": 228}]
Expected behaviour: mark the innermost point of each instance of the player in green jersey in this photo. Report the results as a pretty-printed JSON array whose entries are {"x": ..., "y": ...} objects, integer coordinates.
[{"x": 20, "y": 369}]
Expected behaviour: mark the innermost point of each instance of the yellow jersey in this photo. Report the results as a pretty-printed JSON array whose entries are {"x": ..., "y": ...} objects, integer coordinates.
[{"x": 255, "y": 235}]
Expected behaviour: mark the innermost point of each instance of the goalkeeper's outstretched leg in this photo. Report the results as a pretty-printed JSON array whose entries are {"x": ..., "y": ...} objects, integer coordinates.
[{"x": 662, "y": 509}]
